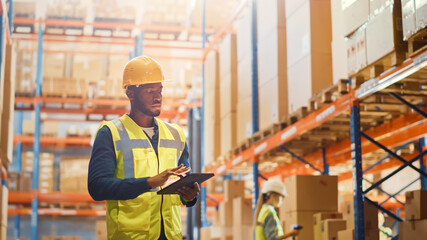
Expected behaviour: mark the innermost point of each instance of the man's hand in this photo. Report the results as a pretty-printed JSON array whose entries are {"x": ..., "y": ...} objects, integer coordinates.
[
  {"x": 188, "y": 193},
  {"x": 160, "y": 179}
]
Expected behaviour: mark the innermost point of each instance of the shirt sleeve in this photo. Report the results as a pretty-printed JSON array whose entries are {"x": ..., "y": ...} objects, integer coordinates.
[
  {"x": 185, "y": 159},
  {"x": 270, "y": 228},
  {"x": 101, "y": 182}
]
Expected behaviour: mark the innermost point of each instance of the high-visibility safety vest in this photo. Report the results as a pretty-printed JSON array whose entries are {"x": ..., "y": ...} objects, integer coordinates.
[
  {"x": 260, "y": 226},
  {"x": 139, "y": 218}
]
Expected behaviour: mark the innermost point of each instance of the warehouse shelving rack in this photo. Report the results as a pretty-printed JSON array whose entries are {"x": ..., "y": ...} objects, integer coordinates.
[{"x": 393, "y": 132}]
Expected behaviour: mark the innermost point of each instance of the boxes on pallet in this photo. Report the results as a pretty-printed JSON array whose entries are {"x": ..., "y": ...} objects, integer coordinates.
[
  {"x": 28, "y": 127},
  {"x": 244, "y": 76},
  {"x": 73, "y": 174},
  {"x": 408, "y": 18},
  {"x": 309, "y": 59},
  {"x": 302, "y": 218},
  {"x": 228, "y": 55},
  {"x": 384, "y": 33},
  {"x": 87, "y": 68},
  {"x": 242, "y": 211},
  {"x": 228, "y": 91},
  {"x": 233, "y": 189},
  {"x": 339, "y": 56},
  {"x": 13, "y": 181},
  {"x": 318, "y": 218},
  {"x": 243, "y": 37},
  {"x": 50, "y": 128},
  {"x": 228, "y": 132},
  {"x": 371, "y": 219},
  {"x": 416, "y": 207},
  {"x": 356, "y": 51},
  {"x": 330, "y": 228},
  {"x": 347, "y": 234},
  {"x": 356, "y": 13},
  {"x": 101, "y": 230},
  {"x": 25, "y": 180},
  {"x": 420, "y": 14},
  {"x": 273, "y": 106},
  {"x": 413, "y": 230},
  {"x": 54, "y": 65},
  {"x": 311, "y": 193}
]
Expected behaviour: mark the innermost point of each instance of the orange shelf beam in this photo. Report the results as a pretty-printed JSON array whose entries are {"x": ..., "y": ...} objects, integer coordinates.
[
  {"x": 57, "y": 212},
  {"x": 54, "y": 197},
  {"x": 47, "y": 141}
]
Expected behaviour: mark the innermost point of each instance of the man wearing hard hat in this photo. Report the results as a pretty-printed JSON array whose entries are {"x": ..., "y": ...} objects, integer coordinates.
[{"x": 134, "y": 155}]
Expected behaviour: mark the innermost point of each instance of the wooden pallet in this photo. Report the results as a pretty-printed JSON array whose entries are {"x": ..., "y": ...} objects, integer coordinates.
[
  {"x": 267, "y": 132},
  {"x": 375, "y": 69},
  {"x": 242, "y": 147},
  {"x": 417, "y": 42},
  {"x": 63, "y": 95},
  {"x": 297, "y": 115},
  {"x": 328, "y": 95}
]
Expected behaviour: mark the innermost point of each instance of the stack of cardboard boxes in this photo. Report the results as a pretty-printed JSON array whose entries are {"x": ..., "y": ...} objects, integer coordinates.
[
  {"x": 371, "y": 220},
  {"x": 212, "y": 106},
  {"x": 308, "y": 195},
  {"x": 415, "y": 226},
  {"x": 373, "y": 29},
  {"x": 24, "y": 69},
  {"x": 309, "y": 57},
  {"x": 45, "y": 172},
  {"x": 228, "y": 92},
  {"x": 73, "y": 175},
  {"x": 233, "y": 220},
  {"x": 272, "y": 74},
  {"x": 413, "y": 17}
]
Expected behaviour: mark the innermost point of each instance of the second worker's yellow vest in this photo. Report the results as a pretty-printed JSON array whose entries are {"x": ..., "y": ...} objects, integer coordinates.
[
  {"x": 260, "y": 226},
  {"x": 139, "y": 218}
]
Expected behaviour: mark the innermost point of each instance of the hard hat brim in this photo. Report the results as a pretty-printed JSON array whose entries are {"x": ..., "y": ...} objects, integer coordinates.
[{"x": 150, "y": 82}]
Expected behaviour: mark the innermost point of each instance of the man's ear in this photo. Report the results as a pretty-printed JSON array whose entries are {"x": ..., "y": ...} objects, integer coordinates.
[{"x": 130, "y": 93}]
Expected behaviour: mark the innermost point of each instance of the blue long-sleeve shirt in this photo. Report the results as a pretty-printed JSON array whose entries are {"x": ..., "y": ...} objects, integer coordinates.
[{"x": 101, "y": 182}]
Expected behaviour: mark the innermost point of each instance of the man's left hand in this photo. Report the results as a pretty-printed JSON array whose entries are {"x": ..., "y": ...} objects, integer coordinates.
[{"x": 188, "y": 193}]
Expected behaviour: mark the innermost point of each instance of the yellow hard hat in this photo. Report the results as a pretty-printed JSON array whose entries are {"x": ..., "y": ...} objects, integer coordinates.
[{"x": 142, "y": 70}]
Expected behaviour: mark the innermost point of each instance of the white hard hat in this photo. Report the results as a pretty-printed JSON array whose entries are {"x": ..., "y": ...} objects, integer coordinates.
[{"x": 274, "y": 186}]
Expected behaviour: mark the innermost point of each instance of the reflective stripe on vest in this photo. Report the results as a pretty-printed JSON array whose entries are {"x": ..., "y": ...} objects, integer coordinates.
[
  {"x": 175, "y": 143},
  {"x": 260, "y": 225}
]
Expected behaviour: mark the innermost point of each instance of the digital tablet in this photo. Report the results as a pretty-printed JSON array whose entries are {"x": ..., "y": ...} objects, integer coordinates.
[{"x": 188, "y": 180}]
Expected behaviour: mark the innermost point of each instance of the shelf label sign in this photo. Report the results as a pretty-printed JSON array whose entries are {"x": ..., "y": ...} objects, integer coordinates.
[
  {"x": 288, "y": 133},
  {"x": 325, "y": 113},
  {"x": 260, "y": 148},
  {"x": 237, "y": 160},
  {"x": 220, "y": 169}
]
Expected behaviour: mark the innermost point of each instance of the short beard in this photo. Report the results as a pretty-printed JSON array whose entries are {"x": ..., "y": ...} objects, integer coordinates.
[{"x": 148, "y": 112}]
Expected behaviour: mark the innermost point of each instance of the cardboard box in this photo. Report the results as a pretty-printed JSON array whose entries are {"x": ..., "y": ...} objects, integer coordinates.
[
  {"x": 330, "y": 228},
  {"x": 228, "y": 132},
  {"x": 242, "y": 211},
  {"x": 420, "y": 14},
  {"x": 13, "y": 181},
  {"x": 3, "y": 204},
  {"x": 311, "y": 193},
  {"x": 244, "y": 119},
  {"x": 384, "y": 33},
  {"x": 226, "y": 213},
  {"x": 371, "y": 219},
  {"x": 244, "y": 78},
  {"x": 243, "y": 232},
  {"x": 318, "y": 219},
  {"x": 413, "y": 230},
  {"x": 416, "y": 207},
  {"x": 270, "y": 15},
  {"x": 25, "y": 182},
  {"x": 273, "y": 104},
  {"x": 408, "y": 18},
  {"x": 347, "y": 234},
  {"x": 243, "y": 37},
  {"x": 54, "y": 65},
  {"x": 101, "y": 230},
  {"x": 356, "y": 51},
  {"x": 233, "y": 189},
  {"x": 303, "y": 218},
  {"x": 228, "y": 55},
  {"x": 356, "y": 13},
  {"x": 228, "y": 91}
]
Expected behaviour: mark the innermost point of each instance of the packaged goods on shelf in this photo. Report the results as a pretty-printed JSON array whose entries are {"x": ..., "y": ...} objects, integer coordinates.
[
  {"x": 45, "y": 170},
  {"x": 88, "y": 68},
  {"x": 416, "y": 205},
  {"x": 331, "y": 227},
  {"x": 356, "y": 13},
  {"x": 356, "y": 51},
  {"x": 309, "y": 56},
  {"x": 73, "y": 174},
  {"x": 228, "y": 132},
  {"x": 54, "y": 65},
  {"x": 408, "y": 18},
  {"x": 339, "y": 55}
]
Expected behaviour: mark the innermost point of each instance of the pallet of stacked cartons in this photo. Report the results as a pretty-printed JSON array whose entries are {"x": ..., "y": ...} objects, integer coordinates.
[
  {"x": 8, "y": 103},
  {"x": 212, "y": 106},
  {"x": 228, "y": 91},
  {"x": 415, "y": 225},
  {"x": 308, "y": 41},
  {"x": 24, "y": 72},
  {"x": 308, "y": 195},
  {"x": 338, "y": 44},
  {"x": 377, "y": 43},
  {"x": 272, "y": 74},
  {"x": 319, "y": 222},
  {"x": 414, "y": 22},
  {"x": 45, "y": 170}
]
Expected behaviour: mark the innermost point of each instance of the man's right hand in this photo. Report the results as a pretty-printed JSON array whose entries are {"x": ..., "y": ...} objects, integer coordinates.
[{"x": 160, "y": 179}]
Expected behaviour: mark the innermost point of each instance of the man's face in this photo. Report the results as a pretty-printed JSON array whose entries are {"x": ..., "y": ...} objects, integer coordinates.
[{"x": 148, "y": 98}]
